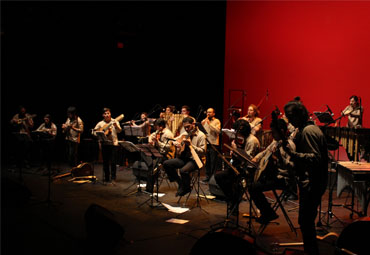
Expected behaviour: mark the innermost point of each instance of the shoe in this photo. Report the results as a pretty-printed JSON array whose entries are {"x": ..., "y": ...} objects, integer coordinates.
[
  {"x": 264, "y": 219},
  {"x": 183, "y": 192}
]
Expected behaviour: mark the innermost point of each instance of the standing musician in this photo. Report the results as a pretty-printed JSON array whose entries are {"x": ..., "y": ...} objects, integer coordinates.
[
  {"x": 254, "y": 121},
  {"x": 227, "y": 179},
  {"x": 22, "y": 123},
  {"x": 185, "y": 112},
  {"x": 311, "y": 167},
  {"x": 48, "y": 133},
  {"x": 213, "y": 126},
  {"x": 192, "y": 147},
  {"x": 354, "y": 111},
  {"x": 72, "y": 128},
  {"x": 161, "y": 139},
  {"x": 109, "y": 147},
  {"x": 275, "y": 170}
]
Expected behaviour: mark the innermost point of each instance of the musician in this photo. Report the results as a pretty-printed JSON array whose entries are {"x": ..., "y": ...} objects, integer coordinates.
[
  {"x": 275, "y": 171},
  {"x": 143, "y": 122},
  {"x": 47, "y": 134},
  {"x": 185, "y": 161},
  {"x": 168, "y": 116},
  {"x": 109, "y": 146},
  {"x": 254, "y": 121},
  {"x": 161, "y": 139},
  {"x": 227, "y": 179},
  {"x": 354, "y": 111},
  {"x": 185, "y": 112},
  {"x": 213, "y": 126},
  {"x": 311, "y": 168},
  {"x": 22, "y": 123},
  {"x": 72, "y": 128}
]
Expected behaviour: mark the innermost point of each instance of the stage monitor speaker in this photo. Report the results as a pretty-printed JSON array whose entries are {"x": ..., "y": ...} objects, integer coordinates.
[
  {"x": 103, "y": 232},
  {"x": 140, "y": 170},
  {"x": 214, "y": 189},
  {"x": 354, "y": 238},
  {"x": 222, "y": 243}
]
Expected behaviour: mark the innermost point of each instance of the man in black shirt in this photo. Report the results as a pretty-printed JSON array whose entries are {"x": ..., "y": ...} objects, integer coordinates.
[{"x": 311, "y": 167}]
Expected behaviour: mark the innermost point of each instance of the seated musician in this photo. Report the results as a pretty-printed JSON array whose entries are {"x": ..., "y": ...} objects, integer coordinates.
[
  {"x": 254, "y": 121},
  {"x": 227, "y": 179},
  {"x": 194, "y": 139},
  {"x": 109, "y": 148},
  {"x": 161, "y": 139},
  {"x": 185, "y": 112},
  {"x": 143, "y": 122},
  {"x": 275, "y": 171}
]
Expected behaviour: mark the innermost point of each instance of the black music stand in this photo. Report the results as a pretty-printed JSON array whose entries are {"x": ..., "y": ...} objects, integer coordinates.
[
  {"x": 129, "y": 146},
  {"x": 324, "y": 117},
  {"x": 149, "y": 149},
  {"x": 134, "y": 131},
  {"x": 102, "y": 138}
]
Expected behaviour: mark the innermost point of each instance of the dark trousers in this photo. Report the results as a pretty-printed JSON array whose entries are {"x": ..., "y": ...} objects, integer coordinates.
[
  {"x": 186, "y": 166},
  {"x": 22, "y": 150},
  {"x": 109, "y": 154},
  {"x": 256, "y": 193},
  {"x": 309, "y": 202},
  {"x": 213, "y": 161},
  {"x": 72, "y": 153}
]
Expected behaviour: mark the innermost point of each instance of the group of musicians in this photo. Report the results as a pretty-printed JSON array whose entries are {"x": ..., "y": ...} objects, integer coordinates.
[{"x": 297, "y": 156}]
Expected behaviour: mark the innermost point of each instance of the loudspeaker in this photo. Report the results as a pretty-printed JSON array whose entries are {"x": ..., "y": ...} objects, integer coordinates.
[
  {"x": 355, "y": 237},
  {"x": 214, "y": 189},
  {"x": 102, "y": 230},
  {"x": 140, "y": 170},
  {"x": 222, "y": 243}
]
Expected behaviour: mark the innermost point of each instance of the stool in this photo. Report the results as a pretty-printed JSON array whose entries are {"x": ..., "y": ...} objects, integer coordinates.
[
  {"x": 195, "y": 186},
  {"x": 279, "y": 203}
]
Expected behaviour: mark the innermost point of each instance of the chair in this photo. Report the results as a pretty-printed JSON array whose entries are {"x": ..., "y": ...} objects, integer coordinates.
[
  {"x": 279, "y": 203},
  {"x": 195, "y": 186}
]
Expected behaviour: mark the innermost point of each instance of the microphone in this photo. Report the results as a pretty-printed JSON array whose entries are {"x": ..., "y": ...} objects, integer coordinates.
[
  {"x": 235, "y": 109},
  {"x": 329, "y": 110}
]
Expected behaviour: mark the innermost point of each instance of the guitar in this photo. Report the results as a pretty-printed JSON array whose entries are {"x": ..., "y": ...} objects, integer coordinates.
[
  {"x": 107, "y": 127},
  {"x": 181, "y": 141},
  {"x": 264, "y": 162},
  {"x": 83, "y": 169}
]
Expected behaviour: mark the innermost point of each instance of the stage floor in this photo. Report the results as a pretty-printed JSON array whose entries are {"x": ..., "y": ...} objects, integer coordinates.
[{"x": 58, "y": 227}]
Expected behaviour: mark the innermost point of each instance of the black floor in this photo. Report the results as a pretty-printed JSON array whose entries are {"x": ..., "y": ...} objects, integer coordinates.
[{"x": 32, "y": 224}]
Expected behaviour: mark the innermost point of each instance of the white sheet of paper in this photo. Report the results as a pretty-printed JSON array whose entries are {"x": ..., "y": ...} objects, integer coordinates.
[
  {"x": 175, "y": 209},
  {"x": 177, "y": 221}
]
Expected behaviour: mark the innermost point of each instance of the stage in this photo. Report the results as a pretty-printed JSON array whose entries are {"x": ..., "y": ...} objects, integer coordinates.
[{"x": 33, "y": 225}]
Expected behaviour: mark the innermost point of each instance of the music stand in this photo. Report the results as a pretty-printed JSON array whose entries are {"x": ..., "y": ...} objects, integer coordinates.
[
  {"x": 130, "y": 147},
  {"x": 154, "y": 153},
  {"x": 324, "y": 117},
  {"x": 102, "y": 138},
  {"x": 134, "y": 131}
]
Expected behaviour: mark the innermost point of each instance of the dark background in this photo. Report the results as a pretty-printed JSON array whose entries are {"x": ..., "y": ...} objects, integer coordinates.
[{"x": 58, "y": 54}]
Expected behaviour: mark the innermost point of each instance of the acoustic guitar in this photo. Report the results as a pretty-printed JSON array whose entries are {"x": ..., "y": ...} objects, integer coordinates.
[
  {"x": 107, "y": 127},
  {"x": 82, "y": 170}
]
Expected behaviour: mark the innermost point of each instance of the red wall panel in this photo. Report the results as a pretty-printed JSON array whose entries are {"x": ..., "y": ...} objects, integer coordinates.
[{"x": 319, "y": 51}]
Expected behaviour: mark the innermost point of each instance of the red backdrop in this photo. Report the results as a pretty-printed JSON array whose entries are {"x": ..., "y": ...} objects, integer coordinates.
[{"x": 319, "y": 51}]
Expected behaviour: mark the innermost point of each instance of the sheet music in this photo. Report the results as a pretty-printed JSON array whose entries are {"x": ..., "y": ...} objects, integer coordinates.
[{"x": 229, "y": 132}]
